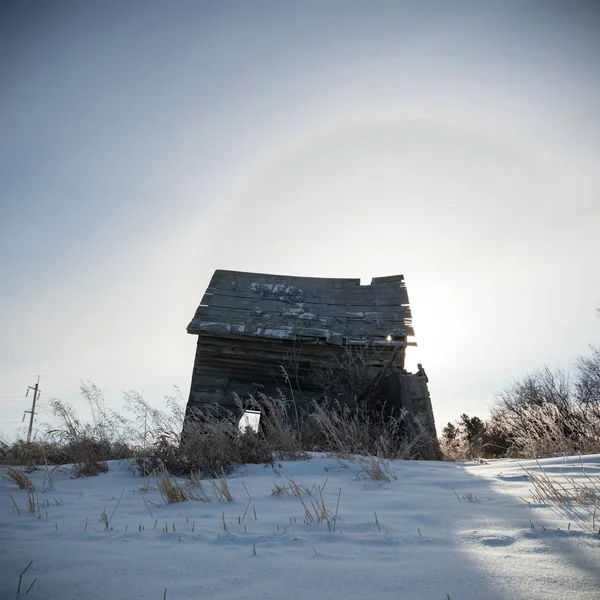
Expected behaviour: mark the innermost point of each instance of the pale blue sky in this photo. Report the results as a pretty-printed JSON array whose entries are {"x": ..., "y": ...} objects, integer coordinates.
[{"x": 144, "y": 145}]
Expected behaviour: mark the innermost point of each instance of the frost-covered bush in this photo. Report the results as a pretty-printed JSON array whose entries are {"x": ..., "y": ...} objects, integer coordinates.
[{"x": 543, "y": 413}]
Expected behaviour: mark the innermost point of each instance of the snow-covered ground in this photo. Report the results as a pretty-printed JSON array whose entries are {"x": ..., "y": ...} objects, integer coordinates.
[{"x": 438, "y": 531}]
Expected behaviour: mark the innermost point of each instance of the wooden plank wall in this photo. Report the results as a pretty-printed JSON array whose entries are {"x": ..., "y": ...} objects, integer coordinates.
[
  {"x": 224, "y": 369},
  {"x": 225, "y": 365}
]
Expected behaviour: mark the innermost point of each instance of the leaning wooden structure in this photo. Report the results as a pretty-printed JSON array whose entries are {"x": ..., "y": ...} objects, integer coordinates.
[{"x": 307, "y": 337}]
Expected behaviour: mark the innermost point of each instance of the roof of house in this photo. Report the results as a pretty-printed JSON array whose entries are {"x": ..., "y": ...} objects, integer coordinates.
[{"x": 312, "y": 309}]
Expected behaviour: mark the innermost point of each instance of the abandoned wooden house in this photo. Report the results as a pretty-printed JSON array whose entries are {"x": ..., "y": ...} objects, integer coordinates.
[{"x": 307, "y": 337}]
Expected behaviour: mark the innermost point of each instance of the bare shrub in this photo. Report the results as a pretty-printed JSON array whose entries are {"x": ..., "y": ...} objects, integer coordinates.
[
  {"x": 87, "y": 446},
  {"x": 36, "y": 453},
  {"x": 208, "y": 443},
  {"x": 546, "y": 412},
  {"x": 204, "y": 445},
  {"x": 154, "y": 433},
  {"x": 547, "y": 429},
  {"x": 543, "y": 386},
  {"x": 587, "y": 378},
  {"x": 551, "y": 411},
  {"x": 529, "y": 432}
]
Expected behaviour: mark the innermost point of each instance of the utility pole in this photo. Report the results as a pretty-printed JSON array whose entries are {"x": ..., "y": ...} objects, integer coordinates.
[{"x": 36, "y": 395}]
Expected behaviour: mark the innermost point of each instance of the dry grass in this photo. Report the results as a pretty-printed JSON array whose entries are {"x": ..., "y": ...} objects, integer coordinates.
[
  {"x": 547, "y": 411},
  {"x": 291, "y": 488},
  {"x": 88, "y": 446},
  {"x": 221, "y": 489},
  {"x": 90, "y": 468},
  {"x": 105, "y": 518},
  {"x": 32, "y": 504},
  {"x": 19, "y": 477},
  {"x": 195, "y": 479},
  {"x": 580, "y": 499},
  {"x": 172, "y": 491},
  {"x": 564, "y": 490},
  {"x": 376, "y": 469},
  {"x": 317, "y": 512},
  {"x": 339, "y": 430},
  {"x": 210, "y": 445}
]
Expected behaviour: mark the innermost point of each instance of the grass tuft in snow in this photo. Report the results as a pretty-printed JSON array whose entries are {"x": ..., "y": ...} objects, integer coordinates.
[
  {"x": 221, "y": 489},
  {"x": 291, "y": 488},
  {"x": 105, "y": 519},
  {"x": 19, "y": 477},
  {"x": 315, "y": 511},
  {"x": 566, "y": 492},
  {"x": 32, "y": 505},
  {"x": 172, "y": 491},
  {"x": 376, "y": 469}
]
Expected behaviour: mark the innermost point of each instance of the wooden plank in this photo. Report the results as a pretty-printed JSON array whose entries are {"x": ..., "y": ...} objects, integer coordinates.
[
  {"x": 279, "y": 349},
  {"x": 303, "y": 312},
  {"x": 316, "y": 337},
  {"x": 299, "y": 314},
  {"x": 243, "y": 275},
  {"x": 213, "y": 368},
  {"x": 285, "y": 285},
  {"x": 298, "y": 318},
  {"x": 379, "y": 280},
  {"x": 256, "y": 326},
  {"x": 380, "y": 342},
  {"x": 277, "y": 326},
  {"x": 281, "y": 283},
  {"x": 356, "y": 296},
  {"x": 367, "y": 300}
]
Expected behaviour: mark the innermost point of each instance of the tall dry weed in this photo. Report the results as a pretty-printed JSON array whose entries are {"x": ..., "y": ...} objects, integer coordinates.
[{"x": 19, "y": 477}]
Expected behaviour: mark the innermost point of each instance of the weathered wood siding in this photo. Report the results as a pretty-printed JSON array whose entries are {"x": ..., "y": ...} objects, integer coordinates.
[{"x": 250, "y": 325}]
